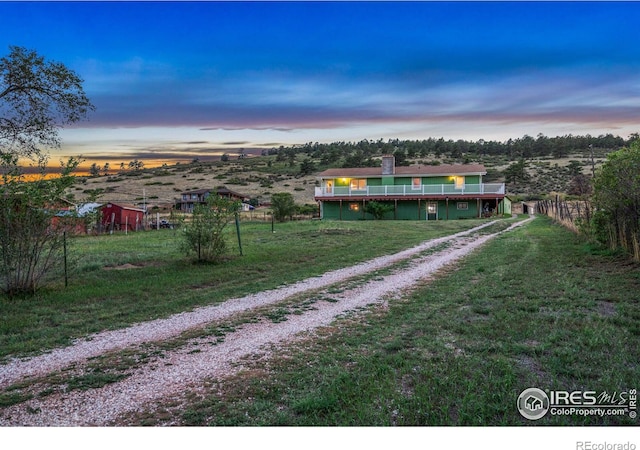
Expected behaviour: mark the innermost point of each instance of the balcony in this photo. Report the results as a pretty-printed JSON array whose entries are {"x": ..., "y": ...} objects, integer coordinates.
[{"x": 427, "y": 190}]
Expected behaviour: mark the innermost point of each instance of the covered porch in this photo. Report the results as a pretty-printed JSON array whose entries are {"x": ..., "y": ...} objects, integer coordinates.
[{"x": 416, "y": 208}]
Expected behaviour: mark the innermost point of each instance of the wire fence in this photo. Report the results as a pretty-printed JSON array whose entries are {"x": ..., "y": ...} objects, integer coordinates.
[
  {"x": 582, "y": 217},
  {"x": 573, "y": 214}
]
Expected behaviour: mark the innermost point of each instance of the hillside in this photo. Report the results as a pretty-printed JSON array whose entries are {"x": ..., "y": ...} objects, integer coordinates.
[
  {"x": 261, "y": 176},
  {"x": 256, "y": 177}
]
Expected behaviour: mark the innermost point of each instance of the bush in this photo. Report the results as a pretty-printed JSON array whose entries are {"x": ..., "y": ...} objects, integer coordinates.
[
  {"x": 617, "y": 200},
  {"x": 378, "y": 210},
  {"x": 283, "y": 206},
  {"x": 31, "y": 230},
  {"x": 307, "y": 210},
  {"x": 203, "y": 236}
]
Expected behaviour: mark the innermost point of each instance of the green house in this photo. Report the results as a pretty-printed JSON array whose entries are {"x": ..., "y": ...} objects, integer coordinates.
[{"x": 420, "y": 192}]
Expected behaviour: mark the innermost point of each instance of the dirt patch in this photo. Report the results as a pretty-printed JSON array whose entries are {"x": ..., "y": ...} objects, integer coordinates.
[
  {"x": 128, "y": 266},
  {"x": 532, "y": 366},
  {"x": 606, "y": 309},
  {"x": 123, "y": 267}
]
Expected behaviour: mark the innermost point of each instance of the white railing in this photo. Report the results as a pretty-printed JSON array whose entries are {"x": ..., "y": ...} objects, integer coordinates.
[{"x": 409, "y": 190}]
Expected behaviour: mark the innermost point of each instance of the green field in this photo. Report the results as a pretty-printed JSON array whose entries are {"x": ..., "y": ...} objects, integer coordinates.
[
  {"x": 535, "y": 307},
  {"x": 119, "y": 279}
]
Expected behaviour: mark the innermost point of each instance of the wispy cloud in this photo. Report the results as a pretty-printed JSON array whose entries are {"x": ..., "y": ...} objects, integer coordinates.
[{"x": 184, "y": 75}]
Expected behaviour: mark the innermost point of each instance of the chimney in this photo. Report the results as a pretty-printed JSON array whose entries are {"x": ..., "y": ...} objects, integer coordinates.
[{"x": 388, "y": 165}]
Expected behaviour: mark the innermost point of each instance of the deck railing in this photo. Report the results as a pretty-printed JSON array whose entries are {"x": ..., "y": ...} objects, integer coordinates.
[{"x": 409, "y": 190}]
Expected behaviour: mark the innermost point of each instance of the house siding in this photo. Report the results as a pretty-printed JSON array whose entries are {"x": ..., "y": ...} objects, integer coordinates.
[
  {"x": 455, "y": 213},
  {"x": 342, "y": 211},
  {"x": 403, "y": 210},
  {"x": 504, "y": 207},
  {"x": 472, "y": 179},
  {"x": 448, "y": 186},
  {"x": 408, "y": 210}
]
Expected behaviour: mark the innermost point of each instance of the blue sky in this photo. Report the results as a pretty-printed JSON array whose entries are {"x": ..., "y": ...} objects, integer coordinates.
[{"x": 188, "y": 78}]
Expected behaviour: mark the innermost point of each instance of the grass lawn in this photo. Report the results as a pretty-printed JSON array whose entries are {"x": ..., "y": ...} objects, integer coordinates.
[
  {"x": 534, "y": 308},
  {"x": 122, "y": 279}
]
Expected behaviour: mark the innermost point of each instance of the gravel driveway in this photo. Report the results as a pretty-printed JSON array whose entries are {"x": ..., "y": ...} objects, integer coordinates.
[{"x": 187, "y": 366}]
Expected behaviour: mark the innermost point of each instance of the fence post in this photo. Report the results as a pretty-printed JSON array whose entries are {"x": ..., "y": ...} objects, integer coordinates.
[
  {"x": 238, "y": 232},
  {"x": 64, "y": 247}
]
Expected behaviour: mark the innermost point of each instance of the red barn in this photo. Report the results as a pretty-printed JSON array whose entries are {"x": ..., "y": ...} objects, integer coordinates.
[{"x": 121, "y": 218}]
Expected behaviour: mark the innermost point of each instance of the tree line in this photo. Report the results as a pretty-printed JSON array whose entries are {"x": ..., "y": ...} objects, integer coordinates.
[
  {"x": 364, "y": 152},
  {"x": 95, "y": 170}
]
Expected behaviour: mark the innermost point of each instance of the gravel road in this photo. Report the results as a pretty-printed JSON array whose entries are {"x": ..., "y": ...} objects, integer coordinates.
[{"x": 183, "y": 369}]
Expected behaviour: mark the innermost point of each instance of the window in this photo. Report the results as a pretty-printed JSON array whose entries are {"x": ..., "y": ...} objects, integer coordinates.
[
  {"x": 416, "y": 183},
  {"x": 354, "y": 206},
  {"x": 459, "y": 181},
  {"x": 358, "y": 184},
  {"x": 462, "y": 206},
  {"x": 329, "y": 186}
]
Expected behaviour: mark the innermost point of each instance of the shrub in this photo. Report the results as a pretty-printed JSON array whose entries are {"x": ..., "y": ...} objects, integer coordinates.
[
  {"x": 203, "y": 236},
  {"x": 31, "y": 230},
  {"x": 282, "y": 205},
  {"x": 378, "y": 210},
  {"x": 617, "y": 200}
]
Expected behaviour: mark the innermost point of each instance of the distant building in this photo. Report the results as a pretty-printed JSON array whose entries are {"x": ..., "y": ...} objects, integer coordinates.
[
  {"x": 190, "y": 199},
  {"x": 115, "y": 217},
  {"x": 85, "y": 209},
  {"x": 78, "y": 221}
]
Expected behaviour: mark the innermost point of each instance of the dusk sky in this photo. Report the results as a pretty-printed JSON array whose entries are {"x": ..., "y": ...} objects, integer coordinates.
[{"x": 184, "y": 78}]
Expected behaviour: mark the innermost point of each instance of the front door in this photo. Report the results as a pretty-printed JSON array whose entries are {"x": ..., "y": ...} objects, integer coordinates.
[{"x": 432, "y": 211}]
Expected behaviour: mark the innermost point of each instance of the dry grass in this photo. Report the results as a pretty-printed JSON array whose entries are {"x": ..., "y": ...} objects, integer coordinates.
[
  {"x": 259, "y": 177},
  {"x": 160, "y": 187}
]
